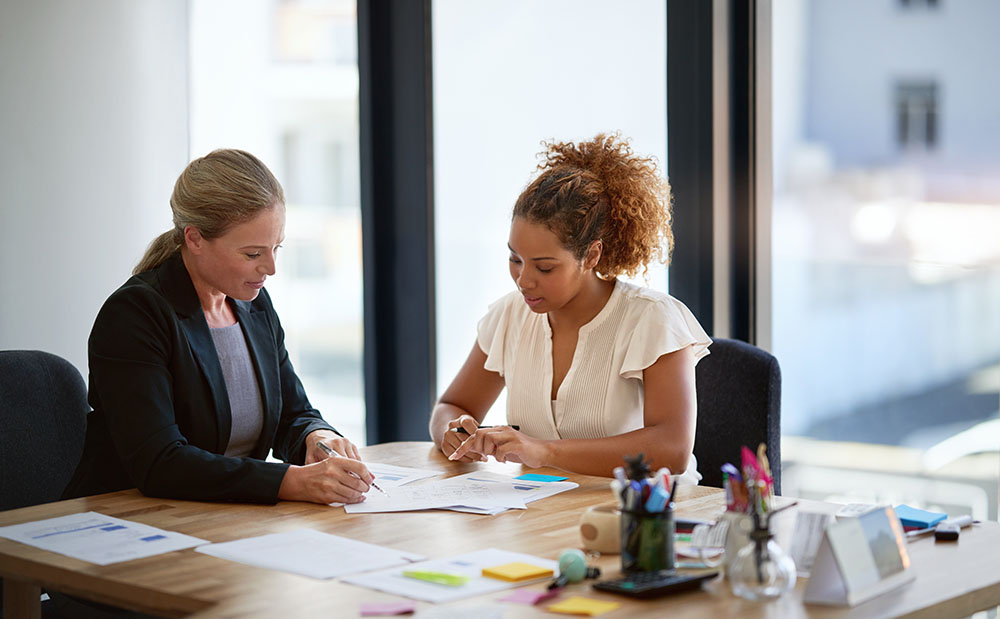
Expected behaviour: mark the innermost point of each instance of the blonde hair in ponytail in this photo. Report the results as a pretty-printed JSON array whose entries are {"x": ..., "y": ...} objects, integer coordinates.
[{"x": 224, "y": 188}]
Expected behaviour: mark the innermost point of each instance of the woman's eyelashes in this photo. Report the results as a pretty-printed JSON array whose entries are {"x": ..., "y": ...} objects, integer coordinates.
[
  {"x": 514, "y": 260},
  {"x": 258, "y": 253}
]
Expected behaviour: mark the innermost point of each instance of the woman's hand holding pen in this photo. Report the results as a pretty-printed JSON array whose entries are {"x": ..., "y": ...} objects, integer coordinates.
[
  {"x": 451, "y": 440},
  {"x": 333, "y": 480},
  {"x": 339, "y": 477},
  {"x": 506, "y": 444},
  {"x": 344, "y": 447}
]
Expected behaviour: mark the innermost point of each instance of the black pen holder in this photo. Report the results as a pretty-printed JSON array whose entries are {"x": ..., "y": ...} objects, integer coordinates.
[{"x": 647, "y": 541}]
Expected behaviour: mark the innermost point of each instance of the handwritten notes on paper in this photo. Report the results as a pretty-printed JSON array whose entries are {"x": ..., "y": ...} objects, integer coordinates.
[{"x": 444, "y": 493}]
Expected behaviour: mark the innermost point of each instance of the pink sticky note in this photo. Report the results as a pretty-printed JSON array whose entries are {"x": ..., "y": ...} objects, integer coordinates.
[
  {"x": 376, "y": 609},
  {"x": 529, "y": 596}
]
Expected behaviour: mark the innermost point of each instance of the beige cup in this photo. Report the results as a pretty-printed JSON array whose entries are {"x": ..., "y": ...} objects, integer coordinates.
[{"x": 600, "y": 529}]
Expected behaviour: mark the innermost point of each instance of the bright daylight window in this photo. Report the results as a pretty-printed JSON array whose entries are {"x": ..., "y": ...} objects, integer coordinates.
[
  {"x": 886, "y": 258},
  {"x": 280, "y": 79},
  {"x": 569, "y": 69}
]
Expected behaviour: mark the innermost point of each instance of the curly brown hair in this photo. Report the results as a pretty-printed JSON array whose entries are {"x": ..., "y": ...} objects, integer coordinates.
[{"x": 601, "y": 190}]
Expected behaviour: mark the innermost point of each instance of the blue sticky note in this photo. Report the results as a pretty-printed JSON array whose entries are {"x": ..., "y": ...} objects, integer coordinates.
[
  {"x": 539, "y": 477},
  {"x": 913, "y": 517}
]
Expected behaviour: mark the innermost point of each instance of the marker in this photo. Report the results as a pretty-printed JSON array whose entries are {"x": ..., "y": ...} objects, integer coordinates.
[
  {"x": 330, "y": 452},
  {"x": 461, "y": 430}
]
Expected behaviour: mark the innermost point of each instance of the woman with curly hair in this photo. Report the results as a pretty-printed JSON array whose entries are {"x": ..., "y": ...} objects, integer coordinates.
[{"x": 595, "y": 367}]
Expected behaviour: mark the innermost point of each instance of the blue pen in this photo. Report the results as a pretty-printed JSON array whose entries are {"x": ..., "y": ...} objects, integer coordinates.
[{"x": 635, "y": 495}]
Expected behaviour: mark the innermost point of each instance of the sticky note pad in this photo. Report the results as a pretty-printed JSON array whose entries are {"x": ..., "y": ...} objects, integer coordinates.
[
  {"x": 383, "y": 609},
  {"x": 583, "y": 606},
  {"x": 528, "y": 596},
  {"x": 517, "y": 571},
  {"x": 540, "y": 477},
  {"x": 913, "y": 517}
]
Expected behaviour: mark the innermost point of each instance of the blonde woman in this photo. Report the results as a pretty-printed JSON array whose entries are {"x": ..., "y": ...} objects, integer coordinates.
[
  {"x": 595, "y": 368},
  {"x": 190, "y": 381}
]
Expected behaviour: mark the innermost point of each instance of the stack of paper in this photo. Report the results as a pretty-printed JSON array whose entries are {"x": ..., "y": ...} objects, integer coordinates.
[
  {"x": 476, "y": 493},
  {"x": 444, "y": 493}
]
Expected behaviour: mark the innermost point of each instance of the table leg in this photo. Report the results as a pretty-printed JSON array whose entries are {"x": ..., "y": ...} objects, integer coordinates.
[{"x": 21, "y": 599}]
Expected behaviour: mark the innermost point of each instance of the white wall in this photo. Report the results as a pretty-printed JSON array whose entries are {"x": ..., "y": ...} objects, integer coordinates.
[{"x": 93, "y": 133}]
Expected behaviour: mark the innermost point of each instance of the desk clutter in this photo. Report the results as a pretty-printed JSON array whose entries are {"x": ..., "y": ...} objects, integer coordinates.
[{"x": 849, "y": 555}]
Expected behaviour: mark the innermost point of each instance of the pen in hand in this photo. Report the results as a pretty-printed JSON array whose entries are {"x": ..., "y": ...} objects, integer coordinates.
[
  {"x": 330, "y": 452},
  {"x": 461, "y": 430}
]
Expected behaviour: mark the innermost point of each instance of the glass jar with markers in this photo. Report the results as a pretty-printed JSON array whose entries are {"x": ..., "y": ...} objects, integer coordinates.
[{"x": 760, "y": 569}]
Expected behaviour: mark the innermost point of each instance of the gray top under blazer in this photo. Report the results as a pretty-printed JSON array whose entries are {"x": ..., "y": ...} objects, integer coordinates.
[{"x": 161, "y": 420}]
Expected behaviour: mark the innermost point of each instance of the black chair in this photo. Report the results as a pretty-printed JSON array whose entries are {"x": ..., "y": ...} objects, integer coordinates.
[
  {"x": 43, "y": 413},
  {"x": 739, "y": 403}
]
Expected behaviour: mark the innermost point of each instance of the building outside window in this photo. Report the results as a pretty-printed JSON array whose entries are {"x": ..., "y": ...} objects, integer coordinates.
[
  {"x": 886, "y": 265},
  {"x": 279, "y": 78}
]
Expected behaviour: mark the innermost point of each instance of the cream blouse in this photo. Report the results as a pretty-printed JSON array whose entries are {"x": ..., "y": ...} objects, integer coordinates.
[{"x": 602, "y": 393}]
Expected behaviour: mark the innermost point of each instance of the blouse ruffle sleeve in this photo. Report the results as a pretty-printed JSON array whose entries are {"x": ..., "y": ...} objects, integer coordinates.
[
  {"x": 666, "y": 326},
  {"x": 492, "y": 333}
]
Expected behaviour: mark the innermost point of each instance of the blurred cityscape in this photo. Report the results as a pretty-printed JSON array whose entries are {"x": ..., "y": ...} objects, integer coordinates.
[{"x": 886, "y": 260}]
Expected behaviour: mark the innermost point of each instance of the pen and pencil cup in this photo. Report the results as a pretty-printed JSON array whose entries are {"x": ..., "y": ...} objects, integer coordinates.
[{"x": 647, "y": 541}]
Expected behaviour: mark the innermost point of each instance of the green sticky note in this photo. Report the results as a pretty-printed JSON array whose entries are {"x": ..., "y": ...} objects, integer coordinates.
[{"x": 438, "y": 578}]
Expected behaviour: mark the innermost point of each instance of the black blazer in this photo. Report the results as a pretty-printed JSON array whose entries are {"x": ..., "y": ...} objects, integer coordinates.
[{"x": 161, "y": 417}]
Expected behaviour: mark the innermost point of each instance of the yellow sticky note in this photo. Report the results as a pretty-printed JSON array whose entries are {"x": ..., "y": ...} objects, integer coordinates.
[
  {"x": 583, "y": 606},
  {"x": 517, "y": 571}
]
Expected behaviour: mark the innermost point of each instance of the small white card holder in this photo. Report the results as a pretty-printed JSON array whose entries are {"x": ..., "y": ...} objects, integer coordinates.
[{"x": 858, "y": 559}]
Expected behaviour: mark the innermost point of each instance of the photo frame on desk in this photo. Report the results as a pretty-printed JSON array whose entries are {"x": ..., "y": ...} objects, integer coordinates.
[{"x": 858, "y": 559}]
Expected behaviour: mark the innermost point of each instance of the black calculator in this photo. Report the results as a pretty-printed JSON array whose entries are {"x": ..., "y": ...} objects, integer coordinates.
[{"x": 653, "y": 584}]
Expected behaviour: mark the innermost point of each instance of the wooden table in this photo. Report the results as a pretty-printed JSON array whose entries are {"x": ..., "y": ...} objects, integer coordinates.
[{"x": 951, "y": 579}]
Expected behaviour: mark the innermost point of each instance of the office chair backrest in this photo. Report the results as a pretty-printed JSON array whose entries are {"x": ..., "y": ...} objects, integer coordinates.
[
  {"x": 739, "y": 403},
  {"x": 43, "y": 420}
]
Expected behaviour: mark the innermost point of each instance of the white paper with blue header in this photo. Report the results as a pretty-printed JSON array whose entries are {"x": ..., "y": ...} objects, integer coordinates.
[{"x": 97, "y": 538}]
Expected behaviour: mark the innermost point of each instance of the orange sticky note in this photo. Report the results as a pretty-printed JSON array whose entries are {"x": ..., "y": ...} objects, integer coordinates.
[
  {"x": 583, "y": 606},
  {"x": 517, "y": 571}
]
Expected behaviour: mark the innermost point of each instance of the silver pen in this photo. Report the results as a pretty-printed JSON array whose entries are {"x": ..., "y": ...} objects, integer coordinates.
[{"x": 330, "y": 452}]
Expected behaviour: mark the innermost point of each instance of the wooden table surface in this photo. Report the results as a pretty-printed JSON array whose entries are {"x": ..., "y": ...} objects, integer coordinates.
[{"x": 953, "y": 579}]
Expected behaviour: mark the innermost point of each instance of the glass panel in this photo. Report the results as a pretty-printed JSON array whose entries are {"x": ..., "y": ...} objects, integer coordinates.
[
  {"x": 507, "y": 75},
  {"x": 280, "y": 79},
  {"x": 885, "y": 252}
]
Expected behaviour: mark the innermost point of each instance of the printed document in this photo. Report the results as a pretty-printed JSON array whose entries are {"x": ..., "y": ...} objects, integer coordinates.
[
  {"x": 392, "y": 476},
  {"x": 310, "y": 553},
  {"x": 97, "y": 538},
  {"x": 526, "y": 489},
  {"x": 443, "y": 493}
]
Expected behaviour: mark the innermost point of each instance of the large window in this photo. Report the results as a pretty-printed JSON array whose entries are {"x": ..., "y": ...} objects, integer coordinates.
[
  {"x": 507, "y": 75},
  {"x": 886, "y": 263},
  {"x": 279, "y": 78}
]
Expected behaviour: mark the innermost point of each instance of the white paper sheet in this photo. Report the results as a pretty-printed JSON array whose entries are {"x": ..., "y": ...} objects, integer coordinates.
[
  {"x": 443, "y": 493},
  {"x": 392, "y": 476},
  {"x": 528, "y": 490},
  {"x": 97, "y": 538},
  {"x": 310, "y": 553},
  {"x": 470, "y": 564}
]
